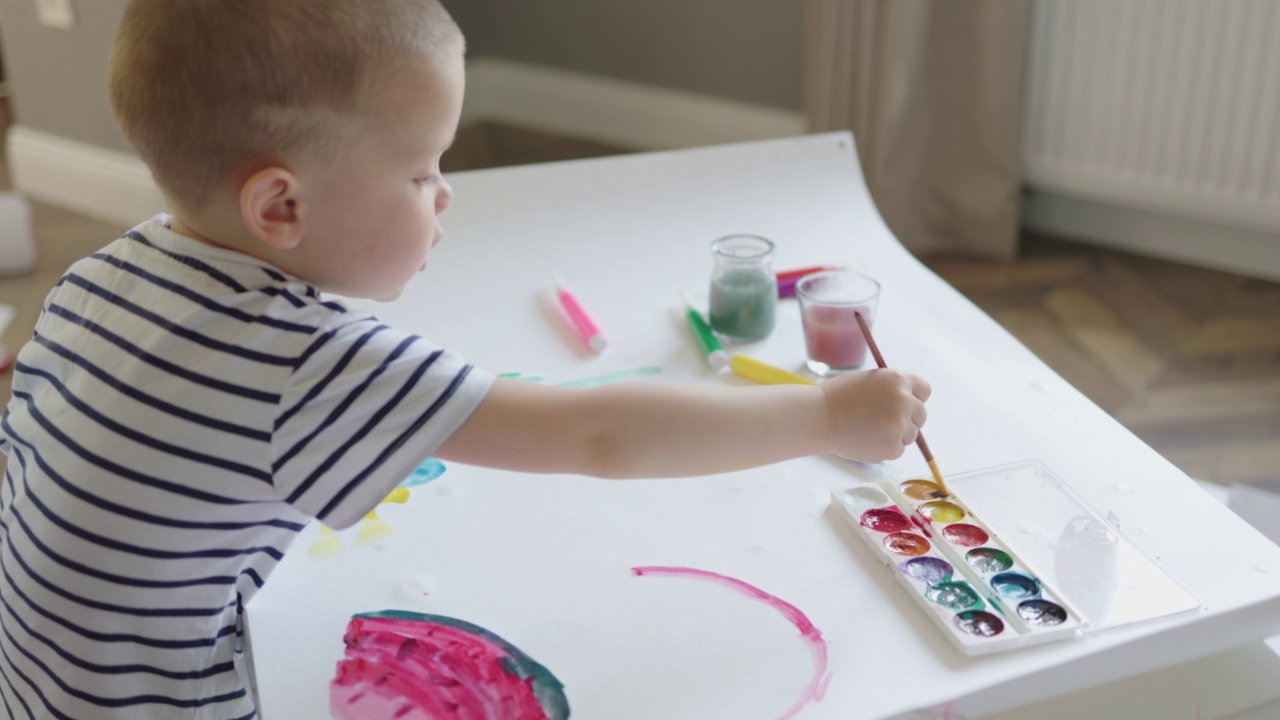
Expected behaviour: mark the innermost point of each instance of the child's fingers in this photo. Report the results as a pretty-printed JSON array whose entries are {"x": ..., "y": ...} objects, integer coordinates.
[
  {"x": 919, "y": 414},
  {"x": 920, "y": 387},
  {"x": 910, "y": 435}
]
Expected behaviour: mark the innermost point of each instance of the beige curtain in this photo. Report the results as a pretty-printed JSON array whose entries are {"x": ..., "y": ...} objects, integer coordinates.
[{"x": 932, "y": 90}]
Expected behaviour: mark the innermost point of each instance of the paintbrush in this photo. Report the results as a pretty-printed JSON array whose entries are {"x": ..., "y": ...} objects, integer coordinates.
[{"x": 920, "y": 443}]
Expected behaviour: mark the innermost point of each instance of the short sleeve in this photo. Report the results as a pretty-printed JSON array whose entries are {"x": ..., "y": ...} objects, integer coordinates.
[{"x": 365, "y": 405}]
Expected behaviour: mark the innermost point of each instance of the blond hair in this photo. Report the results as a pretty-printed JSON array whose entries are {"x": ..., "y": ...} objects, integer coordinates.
[{"x": 207, "y": 89}]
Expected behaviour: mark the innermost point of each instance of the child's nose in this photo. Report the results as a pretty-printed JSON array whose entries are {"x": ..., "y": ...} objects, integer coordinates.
[{"x": 444, "y": 197}]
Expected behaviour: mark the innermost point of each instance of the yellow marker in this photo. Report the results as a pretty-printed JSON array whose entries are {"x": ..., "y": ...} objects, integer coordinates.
[{"x": 752, "y": 369}]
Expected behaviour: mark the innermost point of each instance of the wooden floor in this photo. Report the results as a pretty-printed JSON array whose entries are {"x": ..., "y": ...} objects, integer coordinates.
[{"x": 1188, "y": 359}]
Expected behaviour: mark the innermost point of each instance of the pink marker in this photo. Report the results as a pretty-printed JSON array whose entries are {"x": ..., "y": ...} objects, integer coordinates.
[{"x": 583, "y": 325}]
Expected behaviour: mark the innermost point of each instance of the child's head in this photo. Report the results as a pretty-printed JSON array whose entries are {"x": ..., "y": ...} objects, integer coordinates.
[{"x": 300, "y": 115}]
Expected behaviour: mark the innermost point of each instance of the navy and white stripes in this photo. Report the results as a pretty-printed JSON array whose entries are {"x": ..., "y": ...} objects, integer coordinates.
[{"x": 181, "y": 413}]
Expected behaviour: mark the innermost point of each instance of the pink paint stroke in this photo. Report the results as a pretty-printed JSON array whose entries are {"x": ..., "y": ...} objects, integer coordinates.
[{"x": 817, "y": 686}]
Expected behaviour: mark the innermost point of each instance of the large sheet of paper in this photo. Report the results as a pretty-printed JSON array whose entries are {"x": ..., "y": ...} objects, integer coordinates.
[{"x": 758, "y": 601}]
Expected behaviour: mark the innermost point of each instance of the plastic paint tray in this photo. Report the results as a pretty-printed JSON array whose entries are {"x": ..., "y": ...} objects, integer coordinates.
[{"x": 1013, "y": 557}]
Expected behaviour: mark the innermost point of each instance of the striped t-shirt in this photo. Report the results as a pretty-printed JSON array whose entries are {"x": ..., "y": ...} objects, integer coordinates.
[{"x": 179, "y": 415}]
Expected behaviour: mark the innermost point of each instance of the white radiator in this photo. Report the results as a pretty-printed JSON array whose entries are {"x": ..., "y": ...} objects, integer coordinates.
[{"x": 1171, "y": 106}]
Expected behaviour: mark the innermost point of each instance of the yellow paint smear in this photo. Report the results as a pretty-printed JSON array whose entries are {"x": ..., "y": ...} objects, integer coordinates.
[
  {"x": 326, "y": 546},
  {"x": 373, "y": 529}
]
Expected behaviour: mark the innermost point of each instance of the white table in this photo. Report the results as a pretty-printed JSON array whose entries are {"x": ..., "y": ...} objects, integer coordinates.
[{"x": 544, "y": 561}]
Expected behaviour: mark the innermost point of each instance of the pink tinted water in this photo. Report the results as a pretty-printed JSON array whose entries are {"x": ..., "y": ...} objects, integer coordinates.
[{"x": 832, "y": 336}]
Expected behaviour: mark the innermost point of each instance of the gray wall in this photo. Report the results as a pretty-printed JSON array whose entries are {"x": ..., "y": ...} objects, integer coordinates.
[
  {"x": 748, "y": 50},
  {"x": 58, "y": 78}
]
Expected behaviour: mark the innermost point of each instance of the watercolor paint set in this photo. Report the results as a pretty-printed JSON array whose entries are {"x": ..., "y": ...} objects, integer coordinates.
[{"x": 1012, "y": 557}]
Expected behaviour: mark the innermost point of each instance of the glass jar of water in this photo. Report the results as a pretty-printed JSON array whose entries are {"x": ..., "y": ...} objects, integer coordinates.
[{"x": 744, "y": 290}]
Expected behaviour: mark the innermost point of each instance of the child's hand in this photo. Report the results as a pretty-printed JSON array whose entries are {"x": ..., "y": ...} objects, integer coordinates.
[{"x": 874, "y": 414}]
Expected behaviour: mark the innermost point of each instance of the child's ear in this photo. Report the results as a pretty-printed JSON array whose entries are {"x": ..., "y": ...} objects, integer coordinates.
[{"x": 270, "y": 208}]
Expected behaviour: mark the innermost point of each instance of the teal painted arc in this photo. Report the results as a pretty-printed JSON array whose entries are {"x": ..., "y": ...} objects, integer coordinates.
[
  {"x": 612, "y": 378},
  {"x": 595, "y": 381},
  {"x": 547, "y": 688},
  {"x": 520, "y": 377}
]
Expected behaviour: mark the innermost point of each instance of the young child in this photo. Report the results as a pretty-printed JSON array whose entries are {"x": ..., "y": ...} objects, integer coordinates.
[{"x": 190, "y": 400}]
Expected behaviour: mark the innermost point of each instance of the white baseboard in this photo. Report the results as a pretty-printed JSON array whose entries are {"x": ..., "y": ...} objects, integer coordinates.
[
  {"x": 1064, "y": 177},
  {"x": 101, "y": 183},
  {"x": 643, "y": 117},
  {"x": 117, "y": 187},
  {"x": 1179, "y": 238}
]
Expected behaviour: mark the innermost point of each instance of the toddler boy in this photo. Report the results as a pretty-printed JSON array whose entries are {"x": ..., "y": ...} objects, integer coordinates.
[{"x": 190, "y": 399}]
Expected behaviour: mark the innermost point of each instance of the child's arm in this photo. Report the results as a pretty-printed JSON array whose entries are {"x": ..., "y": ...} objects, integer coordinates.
[{"x": 663, "y": 430}]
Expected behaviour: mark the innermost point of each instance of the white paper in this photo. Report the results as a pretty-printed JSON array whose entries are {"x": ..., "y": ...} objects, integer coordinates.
[{"x": 544, "y": 561}]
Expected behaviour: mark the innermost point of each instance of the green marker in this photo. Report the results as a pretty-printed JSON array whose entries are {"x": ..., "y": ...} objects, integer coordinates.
[{"x": 717, "y": 358}]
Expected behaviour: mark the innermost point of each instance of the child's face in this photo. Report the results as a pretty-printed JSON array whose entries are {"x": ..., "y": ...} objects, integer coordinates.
[{"x": 370, "y": 218}]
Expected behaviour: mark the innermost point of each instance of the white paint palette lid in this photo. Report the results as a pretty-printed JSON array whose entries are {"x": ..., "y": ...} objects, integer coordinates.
[{"x": 1013, "y": 557}]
